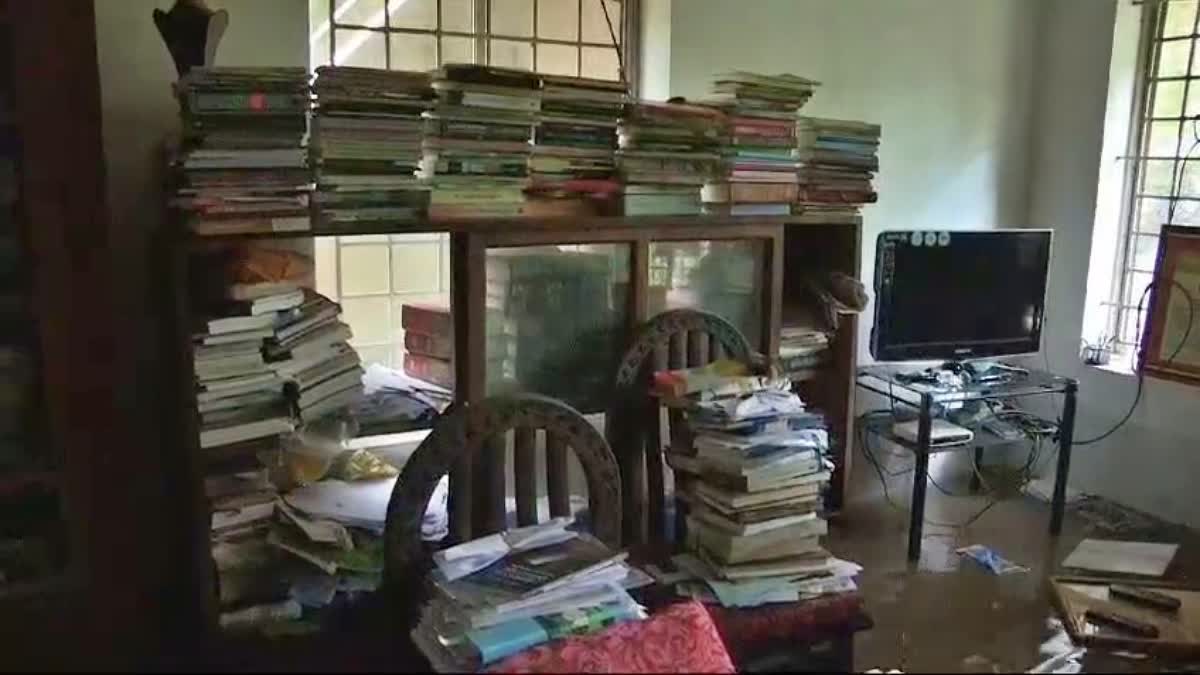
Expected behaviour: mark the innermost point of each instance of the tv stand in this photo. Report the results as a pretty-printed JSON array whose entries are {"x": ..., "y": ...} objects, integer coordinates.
[{"x": 910, "y": 396}]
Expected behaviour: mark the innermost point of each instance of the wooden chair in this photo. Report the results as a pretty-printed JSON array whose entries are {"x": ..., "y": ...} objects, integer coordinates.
[
  {"x": 679, "y": 338},
  {"x": 469, "y": 428}
]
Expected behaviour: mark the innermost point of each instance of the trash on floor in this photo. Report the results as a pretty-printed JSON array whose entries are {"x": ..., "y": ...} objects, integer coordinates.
[{"x": 989, "y": 559}]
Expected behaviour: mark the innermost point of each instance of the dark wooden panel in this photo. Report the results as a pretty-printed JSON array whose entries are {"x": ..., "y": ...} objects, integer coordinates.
[
  {"x": 558, "y": 489},
  {"x": 525, "y": 474},
  {"x": 677, "y": 351},
  {"x": 489, "y": 498},
  {"x": 697, "y": 348},
  {"x": 716, "y": 350}
]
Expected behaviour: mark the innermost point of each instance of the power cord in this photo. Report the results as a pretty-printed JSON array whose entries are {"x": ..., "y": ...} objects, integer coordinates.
[{"x": 1141, "y": 372}]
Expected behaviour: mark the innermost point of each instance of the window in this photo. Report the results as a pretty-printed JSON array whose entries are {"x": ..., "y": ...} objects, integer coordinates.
[
  {"x": 1163, "y": 177},
  {"x": 372, "y": 276}
]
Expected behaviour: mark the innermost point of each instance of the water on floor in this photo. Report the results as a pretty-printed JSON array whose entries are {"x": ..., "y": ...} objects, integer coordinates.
[{"x": 946, "y": 613}]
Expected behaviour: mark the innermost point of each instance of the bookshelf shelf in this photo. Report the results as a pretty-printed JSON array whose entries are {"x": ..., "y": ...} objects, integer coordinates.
[{"x": 544, "y": 224}]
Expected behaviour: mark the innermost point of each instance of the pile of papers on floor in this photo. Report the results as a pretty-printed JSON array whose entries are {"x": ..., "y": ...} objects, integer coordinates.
[
  {"x": 759, "y": 176},
  {"x": 668, "y": 152},
  {"x": 496, "y": 596},
  {"x": 753, "y": 483},
  {"x": 575, "y": 138},
  {"x": 477, "y": 140},
  {"x": 242, "y": 166},
  {"x": 838, "y": 159},
  {"x": 801, "y": 352},
  {"x": 366, "y": 142}
]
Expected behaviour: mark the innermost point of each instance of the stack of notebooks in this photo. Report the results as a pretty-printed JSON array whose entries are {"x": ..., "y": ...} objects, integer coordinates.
[
  {"x": 477, "y": 141},
  {"x": 428, "y": 343},
  {"x": 309, "y": 351},
  {"x": 760, "y": 164},
  {"x": 575, "y": 138},
  {"x": 802, "y": 351},
  {"x": 495, "y": 597},
  {"x": 668, "y": 152},
  {"x": 838, "y": 159},
  {"x": 753, "y": 485},
  {"x": 243, "y": 167},
  {"x": 367, "y": 132}
]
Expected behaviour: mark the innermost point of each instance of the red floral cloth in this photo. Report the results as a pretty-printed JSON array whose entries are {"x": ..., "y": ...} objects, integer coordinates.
[
  {"x": 678, "y": 639},
  {"x": 747, "y": 629}
]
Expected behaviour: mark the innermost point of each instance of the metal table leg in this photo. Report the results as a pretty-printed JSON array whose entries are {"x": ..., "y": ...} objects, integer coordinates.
[
  {"x": 920, "y": 480},
  {"x": 1066, "y": 433}
]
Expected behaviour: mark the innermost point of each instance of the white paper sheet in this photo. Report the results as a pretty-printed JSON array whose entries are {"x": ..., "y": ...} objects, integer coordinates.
[{"x": 1123, "y": 557}]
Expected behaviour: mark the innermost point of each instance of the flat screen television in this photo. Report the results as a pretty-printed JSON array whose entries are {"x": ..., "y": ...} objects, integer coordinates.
[{"x": 959, "y": 294}]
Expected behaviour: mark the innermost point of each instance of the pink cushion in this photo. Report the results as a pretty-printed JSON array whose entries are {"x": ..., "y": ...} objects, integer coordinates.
[{"x": 678, "y": 639}]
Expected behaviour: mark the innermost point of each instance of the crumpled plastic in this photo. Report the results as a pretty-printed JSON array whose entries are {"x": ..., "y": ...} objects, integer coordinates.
[{"x": 360, "y": 464}]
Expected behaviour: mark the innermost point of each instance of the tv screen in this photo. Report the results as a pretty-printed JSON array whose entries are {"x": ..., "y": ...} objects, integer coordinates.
[{"x": 959, "y": 294}]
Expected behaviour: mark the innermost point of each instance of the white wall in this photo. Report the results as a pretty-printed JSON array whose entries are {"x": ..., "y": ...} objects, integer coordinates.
[
  {"x": 949, "y": 81},
  {"x": 1152, "y": 462}
]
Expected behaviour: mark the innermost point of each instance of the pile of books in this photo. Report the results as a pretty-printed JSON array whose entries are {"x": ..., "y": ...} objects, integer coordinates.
[
  {"x": 755, "y": 477},
  {"x": 838, "y": 159},
  {"x": 668, "y": 152},
  {"x": 428, "y": 343},
  {"x": 477, "y": 140},
  {"x": 801, "y": 352},
  {"x": 282, "y": 558},
  {"x": 243, "y": 166},
  {"x": 524, "y": 587},
  {"x": 366, "y": 142},
  {"x": 760, "y": 163},
  {"x": 310, "y": 352},
  {"x": 575, "y": 138}
]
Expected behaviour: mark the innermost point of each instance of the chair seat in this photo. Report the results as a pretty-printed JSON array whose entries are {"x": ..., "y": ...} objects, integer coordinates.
[
  {"x": 749, "y": 629},
  {"x": 679, "y": 638}
]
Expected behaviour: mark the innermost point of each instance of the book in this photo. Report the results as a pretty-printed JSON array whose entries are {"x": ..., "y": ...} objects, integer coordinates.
[
  {"x": 250, "y": 399},
  {"x": 238, "y": 324},
  {"x": 531, "y": 572},
  {"x": 816, "y": 562},
  {"x": 312, "y": 366},
  {"x": 258, "y": 334},
  {"x": 504, "y": 639},
  {"x": 741, "y": 529},
  {"x": 427, "y": 319},
  {"x": 238, "y": 386},
  {"x": 437, "y": 371},
  {"x": 726, "y": 500},
  {"x": 307, "y": 345},
  {"x": 329, "y": 386},
  {"x": 271, "y": 303},
  {"x": 244, "y": 364},
  {"x": 243, "y": 432},
  {"x": 338, "y": 400},
  {"x": 424, "y": 344},
  {"x": 793, "y": 540},
  {"x": 760, "y": 480},
  {"x": 765, "y": 483},
  {"x": 749, "y": 192}
]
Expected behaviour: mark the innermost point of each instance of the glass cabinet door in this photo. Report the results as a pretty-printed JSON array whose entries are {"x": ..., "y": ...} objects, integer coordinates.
[
  {"x": 556, "y": 320},
  {"x": 723, "y": 277}
]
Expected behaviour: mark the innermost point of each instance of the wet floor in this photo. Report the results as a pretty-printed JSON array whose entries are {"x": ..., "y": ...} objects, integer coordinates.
[{"x": 946, "y": 613}]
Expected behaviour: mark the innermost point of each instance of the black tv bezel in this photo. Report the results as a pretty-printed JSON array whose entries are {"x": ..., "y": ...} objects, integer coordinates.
[{"x": 883, "y": 352}]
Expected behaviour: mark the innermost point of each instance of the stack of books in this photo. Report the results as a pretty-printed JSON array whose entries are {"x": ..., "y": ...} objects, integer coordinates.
[
  {"x": 755, "y": 477},
  {"x": 838, "y": 159},
  {"x": 802, "y": 351},
  {"x": 523, "y": 588},
  {"x": 477, "y": 141},
  {"x": 575, "y": 138},
  {"x": 428, "y": 343},
  {"x": 760, "y": 164},
  {"x": 366, "y": 142},
  {"x": 282, "y": 558},
  {"x": 309, "y": 351},
  {"x": 668, "y": 152},
  {"x": 239, "y": 397},
  {"x": 243, "y": 167}
]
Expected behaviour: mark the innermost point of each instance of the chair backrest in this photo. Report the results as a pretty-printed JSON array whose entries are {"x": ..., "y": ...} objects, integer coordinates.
[
  {"x": 679, "y": 338},
  {"x": 467, "y": 429}
]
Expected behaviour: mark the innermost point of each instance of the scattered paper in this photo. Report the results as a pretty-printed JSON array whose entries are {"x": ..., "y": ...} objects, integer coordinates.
[
  {"x": 320, "y": 531},
  {"x": 467, "y": 558},
  {"x": 359, "y": 504},
  {"x": 1122, "y": 557}
]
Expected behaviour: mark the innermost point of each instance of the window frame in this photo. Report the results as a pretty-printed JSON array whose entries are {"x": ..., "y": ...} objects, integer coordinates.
[{"x": 1121, "y": 305}]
